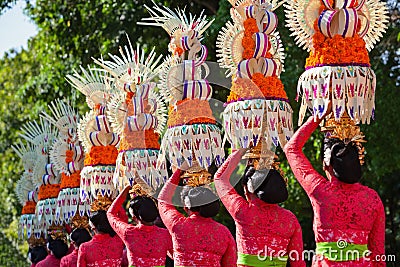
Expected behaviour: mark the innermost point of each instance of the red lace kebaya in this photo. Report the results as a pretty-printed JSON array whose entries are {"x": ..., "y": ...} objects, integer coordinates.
[
  {"x": 197, "y": 241},
  {"x": 347, "y": 213},
  {"x": 102, "y": 251},
  {"x": 261, "y": 228},
  {"x": 147, "y": 245}
]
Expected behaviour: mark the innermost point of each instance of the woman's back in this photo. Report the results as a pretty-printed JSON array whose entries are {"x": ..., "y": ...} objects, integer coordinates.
[
  {"x": 200, "y": 241},
  {"x": 102, "y": 250},
  {"x": 147, "y": 245},
  {"x": 345, "y": 211},
  {"x": 262, "y": 226}
]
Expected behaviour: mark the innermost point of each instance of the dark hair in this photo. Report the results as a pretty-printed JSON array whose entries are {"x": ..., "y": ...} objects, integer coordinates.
[
  {"x": 344, "y": 160},
  {"x": 100, "y": 221},
  {"x": 144, "y": 208},
  {"x": 201, "y": 200},
  {"x": 80, "y": 235},
  {"x": 58, "y": 247},
  {"x": 269, "y": 185},
  {"x": 38, "y": 253}
]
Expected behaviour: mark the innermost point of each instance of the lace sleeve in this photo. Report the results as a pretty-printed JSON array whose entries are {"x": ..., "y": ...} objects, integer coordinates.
[
  {"x": 117, "y": 216},
  {"x": 229, "y": 258},
  {"x": 168, "y": 213},
  {"x": 304, "y": 172},
  {"x": 231, "y": 199},
  {"x": 376, "y": 238}
]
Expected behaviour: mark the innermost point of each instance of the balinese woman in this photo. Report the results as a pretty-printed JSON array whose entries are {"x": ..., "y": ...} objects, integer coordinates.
[
  {"x": 58, "y": 248},
  {"x": 105, "y": 248},
  {"x": 146, "y": 243},
  {"x": 78, "y": 237},
  {"x": 198, "y": 240},
  {"x": 349, "y": 218},
  {"x": 265, "y": 232}
]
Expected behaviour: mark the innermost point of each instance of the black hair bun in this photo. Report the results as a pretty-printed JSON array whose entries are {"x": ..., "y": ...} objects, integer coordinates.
[
  {"x": 100, "y": 221},
  {"x": 345, "y": 162},
  {"x": 58, "y": 247},
  {"x": 80, "y": 235},
  {"x": 273, "y": 190},
  {"x": 203, "y": 200},
  {"x": 144, "y": 208}
]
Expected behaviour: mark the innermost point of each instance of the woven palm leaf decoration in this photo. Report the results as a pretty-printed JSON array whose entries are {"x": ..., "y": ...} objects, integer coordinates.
[
  {"x": 67, "y": 156},
  {"x": 26, "y": 190},
  {"x": 257, "y": 113},
  {"x": 193, "y": 138},
  {"x": 96, "y": 135},
  {"x": 338, "y": 35},
  {"x": 44, "y": 175},
  {"x": 138, "y": 114}
]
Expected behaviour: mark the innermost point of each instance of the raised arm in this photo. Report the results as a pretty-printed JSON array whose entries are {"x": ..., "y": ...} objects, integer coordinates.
[
  {"x": 229, "y": 259},
  {"x": 295, "y": 248},
  {"x": 231, "y": 199},
  {"x": 117, "y": 216},
  {"x": 304, "y": 172},
  {"x": 168, "y": 213},
  {"x": 376, "y": 238}
]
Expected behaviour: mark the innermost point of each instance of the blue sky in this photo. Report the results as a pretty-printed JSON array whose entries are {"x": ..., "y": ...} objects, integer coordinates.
[{"x": 15, "y": 28}]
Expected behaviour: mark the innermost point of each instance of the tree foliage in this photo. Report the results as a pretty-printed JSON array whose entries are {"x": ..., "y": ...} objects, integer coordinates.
[{"x": 72, "y": 32}]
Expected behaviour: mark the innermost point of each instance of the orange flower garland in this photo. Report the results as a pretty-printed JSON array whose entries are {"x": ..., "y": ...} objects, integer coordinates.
[
  {"x": 101, "y": 155},
  {"x": 147, "y": 139},
  {"x": 71, "y": 181},
  {"x": 258, "y": 87},
  {"x": 68, "y": 156},
  {"x": 248, "y": 43},
  {"x": 29, "y": 207},
  {"x": 48, "y": 191},
  {"x": 337, "y": 50},
  {"x": 190, "y": 111},
  {"x": 270, "y": 86}
]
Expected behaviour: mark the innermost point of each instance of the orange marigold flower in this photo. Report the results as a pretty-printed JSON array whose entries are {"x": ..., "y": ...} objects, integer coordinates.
[
  {"x": 29, "y": 207},
  {"x": 101, "y": 155},
  {"x": 48, "y": 191},
  {"x": 147, "y": 139},
  {"x": 70, "y": 181},
  {"x": 190, "y": 111}
]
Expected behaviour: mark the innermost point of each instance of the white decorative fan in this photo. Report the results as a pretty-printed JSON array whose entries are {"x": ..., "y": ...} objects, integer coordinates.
[
  {"x": 230, "y": 49},
  {"x": 132, "y": 67},
  {"x": 172, "y": 20},
  {"x": 94, "y": 84},
  {"x": 301, "y": 15}
]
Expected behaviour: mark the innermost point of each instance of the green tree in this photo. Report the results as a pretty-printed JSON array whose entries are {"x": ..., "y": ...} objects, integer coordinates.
[{"x": 72, "y": 32}]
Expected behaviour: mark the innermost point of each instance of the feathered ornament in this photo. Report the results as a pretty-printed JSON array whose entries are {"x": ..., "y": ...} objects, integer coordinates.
[
  {"x": 257, "y": 114},
  {"x": 193, "y": 138},
  {"x": 138, "y": 114},
  {"x": 44, "y": 175},
  {"x": 67, "y": 156},
  {"x": 96, "y": 136}
]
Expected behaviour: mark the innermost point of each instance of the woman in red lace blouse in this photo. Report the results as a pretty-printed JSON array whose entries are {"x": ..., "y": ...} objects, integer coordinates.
[
  {"x": 198, "y": 240},
  {"x": 105, "y": 248},
  {"x": 265, "y": 232},
  {"x": 58, "y": 249},
  {"x": 78, "y": 237},
  {"x": 349, "y": 218},
  {"x": 147, "y": 245}
]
